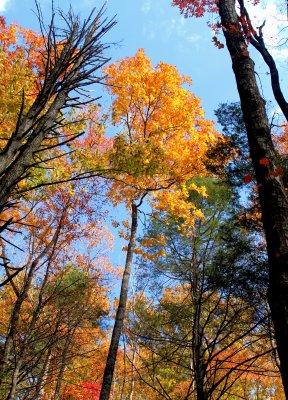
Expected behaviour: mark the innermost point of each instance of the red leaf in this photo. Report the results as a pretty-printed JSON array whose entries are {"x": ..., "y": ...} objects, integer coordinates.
[
  {"x": 247, "y": 179},
  {"x": 264, "y": 161},
  {"x": 277, "y": 172}
]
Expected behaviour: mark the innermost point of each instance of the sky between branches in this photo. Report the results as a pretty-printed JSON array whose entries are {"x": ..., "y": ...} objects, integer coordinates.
[{"x": 167, "y": 36}]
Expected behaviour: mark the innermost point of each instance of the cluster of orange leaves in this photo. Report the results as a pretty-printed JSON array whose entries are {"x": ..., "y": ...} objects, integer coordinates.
[
  {"x": 164, "y": 136},
  {"x": 21, "y": 66}
]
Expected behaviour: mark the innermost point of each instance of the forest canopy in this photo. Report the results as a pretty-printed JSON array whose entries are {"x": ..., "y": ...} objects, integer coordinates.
[{"x": 142, "y": 245}]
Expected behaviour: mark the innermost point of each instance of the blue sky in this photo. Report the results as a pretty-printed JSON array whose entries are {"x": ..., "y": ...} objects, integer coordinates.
[{"x": 164, "y": 34}]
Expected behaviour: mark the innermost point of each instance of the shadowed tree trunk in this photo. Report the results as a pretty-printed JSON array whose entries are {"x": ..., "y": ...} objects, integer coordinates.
[{"x": 272, "y": 195}]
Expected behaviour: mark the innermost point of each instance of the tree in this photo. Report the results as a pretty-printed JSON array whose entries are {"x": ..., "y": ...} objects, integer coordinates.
[
  {"x": 161, "y": 146},
  {"x": 203, "y": 329},
  {"x": 53, "y": 307},
  {"x": 238, "y": 31},
  {"x": 55, "y": 69},
  {"x": 43, "y": 79},
  {"x": 220, "y": 359}
]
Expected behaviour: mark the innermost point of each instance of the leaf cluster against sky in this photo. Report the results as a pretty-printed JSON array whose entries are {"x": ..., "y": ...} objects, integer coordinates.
[{"x": 166, "y": 36}]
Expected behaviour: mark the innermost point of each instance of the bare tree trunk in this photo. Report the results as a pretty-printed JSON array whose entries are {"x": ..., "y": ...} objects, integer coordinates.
[
  {"x": 119, "y": 319},
  {"x": 134, "y": 348},
  {"x": 196, "y": 288},
  {"x": 272, "y": 195}
]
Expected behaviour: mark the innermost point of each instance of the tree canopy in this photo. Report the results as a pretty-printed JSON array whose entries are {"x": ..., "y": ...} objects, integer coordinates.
[{"x": 201, "y": 214}]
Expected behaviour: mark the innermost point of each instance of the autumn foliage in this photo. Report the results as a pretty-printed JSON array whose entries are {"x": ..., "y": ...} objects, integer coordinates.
[
  {"x": 190, "y": 331},
  {"x": 164, "y": 136},
  {"x": 20, "y": 70}
]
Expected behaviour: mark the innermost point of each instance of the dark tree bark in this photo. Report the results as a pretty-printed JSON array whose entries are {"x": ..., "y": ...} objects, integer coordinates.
[
  {"x": 272, "y": 195},
  {"x": 257, "y": 40},
  {"x": 119, "y": 319}
]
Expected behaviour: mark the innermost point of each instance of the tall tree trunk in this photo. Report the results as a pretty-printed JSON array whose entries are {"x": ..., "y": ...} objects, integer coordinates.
[
  {"x": 272, "y": 195},
  {"x": 196, "y": 290},
  {"x": 119, "y": 319},
  {"x": 134, "y": 348}
]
